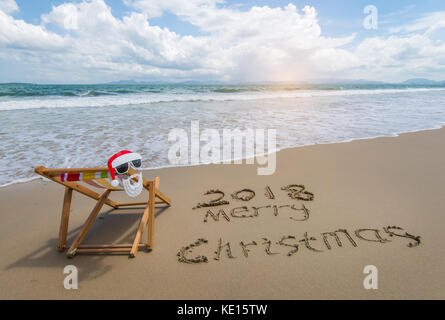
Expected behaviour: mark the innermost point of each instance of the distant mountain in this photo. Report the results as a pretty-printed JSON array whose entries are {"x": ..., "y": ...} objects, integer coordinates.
[
  {"x": 420, "y": 81},
  {"x": 192, "y": 82},
  {"x": 124, "y": 82},
  {"x": 309, "y": 82},
  {"x": 344, "y": 81},
  {"x": 189, "y": 82},
  {"x": 364, "y": 82}
]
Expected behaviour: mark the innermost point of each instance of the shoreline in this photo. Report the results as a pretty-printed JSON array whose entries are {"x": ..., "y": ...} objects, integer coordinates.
[
  {"x": 359, "y": 186},
  {"x": 394, "y": 135}
]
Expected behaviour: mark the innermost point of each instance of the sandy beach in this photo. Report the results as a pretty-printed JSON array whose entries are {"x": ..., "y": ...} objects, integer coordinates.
[{"x": 358, "y": 186}]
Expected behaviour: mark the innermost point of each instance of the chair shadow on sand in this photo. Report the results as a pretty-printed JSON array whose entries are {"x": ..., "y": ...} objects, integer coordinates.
[{"x": 109, "y": 227}]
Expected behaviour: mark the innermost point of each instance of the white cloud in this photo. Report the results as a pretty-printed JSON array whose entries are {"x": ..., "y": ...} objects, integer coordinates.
[
  {"x": 415, "y": 55},
  {"x": 8, "y": 6},
  {"x": 64, "y": 16},
  {"x": 88, "y": 44},
  {"x": 428, "y": 23},
  {"x": 17, "y": 34}
]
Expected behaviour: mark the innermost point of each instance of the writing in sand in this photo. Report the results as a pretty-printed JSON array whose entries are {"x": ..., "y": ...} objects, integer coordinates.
[{"x": 288, "y": 245}]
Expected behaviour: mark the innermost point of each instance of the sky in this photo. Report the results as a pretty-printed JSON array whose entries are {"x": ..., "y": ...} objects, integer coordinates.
[{"x": 97, "y": 41}]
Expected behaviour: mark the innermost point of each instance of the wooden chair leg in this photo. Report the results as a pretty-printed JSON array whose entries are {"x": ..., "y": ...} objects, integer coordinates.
[
  {"x": 137, "y": 238},
  {"x": 163, "y": 197},
  {"x": 151, "y": 221},
  {"x": 157, "y": 182},
  {"x": 63, "y": 230},
  {"x": 88, "y": 223}
]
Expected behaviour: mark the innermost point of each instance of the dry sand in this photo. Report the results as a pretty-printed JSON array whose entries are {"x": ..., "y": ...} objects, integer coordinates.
[{"x": 362, "y": 184}]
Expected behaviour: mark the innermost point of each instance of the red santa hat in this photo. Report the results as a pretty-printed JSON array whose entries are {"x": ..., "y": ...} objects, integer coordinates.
[{"x": 119, "y": 158}]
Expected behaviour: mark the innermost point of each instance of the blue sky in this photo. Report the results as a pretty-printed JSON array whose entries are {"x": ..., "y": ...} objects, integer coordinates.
[{"x": 184, "y": 40}]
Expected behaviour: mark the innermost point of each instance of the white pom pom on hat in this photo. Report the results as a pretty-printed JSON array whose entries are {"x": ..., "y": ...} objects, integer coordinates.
[{"x": 115, "y": 183}]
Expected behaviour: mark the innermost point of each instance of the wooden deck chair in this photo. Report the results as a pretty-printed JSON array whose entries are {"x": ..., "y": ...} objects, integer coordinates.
[{"x": 99, "y": 178}]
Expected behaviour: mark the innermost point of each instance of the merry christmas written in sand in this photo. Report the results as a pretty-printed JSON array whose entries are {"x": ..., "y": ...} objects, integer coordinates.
[{"x": 218, "y": 208}]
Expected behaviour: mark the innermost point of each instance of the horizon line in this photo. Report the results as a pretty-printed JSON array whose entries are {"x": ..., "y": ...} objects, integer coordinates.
[{"x": 216, "y": 82}]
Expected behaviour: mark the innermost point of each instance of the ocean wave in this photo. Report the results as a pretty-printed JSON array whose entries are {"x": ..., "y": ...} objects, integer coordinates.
[
  {"x": 22, "y": 93},
  {"x": 34, "y": 93},
  {"x": 92, "y": 93},
  {"x": 21, "y": 180},
  {"x": 101, "y": 99}
]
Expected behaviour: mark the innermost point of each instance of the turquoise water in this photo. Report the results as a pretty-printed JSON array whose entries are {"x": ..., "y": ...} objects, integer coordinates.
[
  {"x": 35, "y": 91},
  {"x": 83, "y": 125}
]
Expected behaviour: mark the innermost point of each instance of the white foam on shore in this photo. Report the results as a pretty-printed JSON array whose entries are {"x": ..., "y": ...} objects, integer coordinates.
[
  {"x": 23, "y": 180},
  {"x": 37, "y": 177}
]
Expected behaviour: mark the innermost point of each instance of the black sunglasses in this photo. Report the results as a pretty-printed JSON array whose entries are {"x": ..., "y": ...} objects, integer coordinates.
[{"x": 123, "y": 168}]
